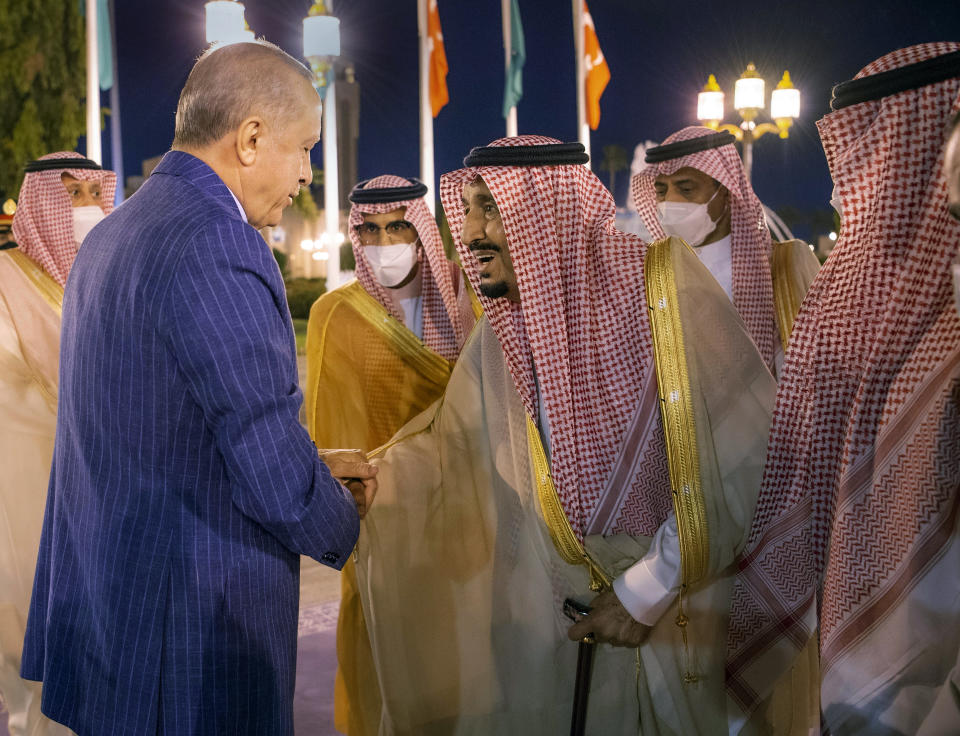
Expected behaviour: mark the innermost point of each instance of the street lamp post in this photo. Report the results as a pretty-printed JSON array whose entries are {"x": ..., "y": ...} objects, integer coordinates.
[
  {"x": 225, "y": 22},
  {"x": 93, "y": 84},
  {"x": 748, "y": 100},
  {"x": 321, "y": 42}
]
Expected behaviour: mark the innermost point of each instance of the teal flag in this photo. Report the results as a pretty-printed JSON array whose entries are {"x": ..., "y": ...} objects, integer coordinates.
[
  {"x": 513, "y": 89},
  {"x": 104, "y": 41}
]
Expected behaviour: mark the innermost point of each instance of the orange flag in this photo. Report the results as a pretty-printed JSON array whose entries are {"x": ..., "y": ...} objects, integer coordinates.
[
  {"x": 596, "y": 71},
  {"x": 438, "y": 60}
]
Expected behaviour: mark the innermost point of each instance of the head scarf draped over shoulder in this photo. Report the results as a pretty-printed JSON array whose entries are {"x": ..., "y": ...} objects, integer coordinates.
[
  {"x": 582, "y": 325},
  {"x": 43, "y": 223},
  {"x": 750, "y": 242},
  {"x": 848, "y": 509}
]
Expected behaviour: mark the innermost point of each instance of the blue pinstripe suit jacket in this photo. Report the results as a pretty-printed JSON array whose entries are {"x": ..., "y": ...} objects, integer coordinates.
[{"x": 183, "y": 486}]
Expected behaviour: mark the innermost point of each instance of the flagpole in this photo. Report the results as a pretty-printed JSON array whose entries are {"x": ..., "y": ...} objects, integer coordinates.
[
  {"x": 331, "y": 175},
  {"x": 583, "y": 130},
  {"x": 506, "y": 15},
  {"x": 93, "y": 85},
  {"x": 426, "y": 112},
  {"x": 116, "y": 139}
]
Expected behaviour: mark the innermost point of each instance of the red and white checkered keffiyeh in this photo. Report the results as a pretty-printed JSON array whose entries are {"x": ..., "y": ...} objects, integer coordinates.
[
  {"x": 582, "y": 321},
  {"x": 445, "y": 323},
  {"x": 750, "y": 242},
  {"x": 863, "y": 464},
  {"x": 43, "y": 223}
]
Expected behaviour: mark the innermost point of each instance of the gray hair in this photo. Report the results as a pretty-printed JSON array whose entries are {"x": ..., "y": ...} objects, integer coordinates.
[{"x": 230, "y": 83}]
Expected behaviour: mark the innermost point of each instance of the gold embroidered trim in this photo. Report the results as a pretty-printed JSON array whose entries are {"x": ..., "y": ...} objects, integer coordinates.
[
  {"x": 676, "y": 408},
  {"x": 786, "y": 302},
  {"x": 49, "y": 289},
  {"x": 431, "y": 366},
  {"x": 564, "y": 539}
]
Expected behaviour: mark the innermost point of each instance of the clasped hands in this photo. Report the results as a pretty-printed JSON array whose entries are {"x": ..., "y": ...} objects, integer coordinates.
[
  {"x": 610, "y": 623},
  {"x": 351, "y": 468}
]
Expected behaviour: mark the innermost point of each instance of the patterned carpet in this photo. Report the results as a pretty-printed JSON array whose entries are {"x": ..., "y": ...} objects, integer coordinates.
[{"x": 316, "y": 665}]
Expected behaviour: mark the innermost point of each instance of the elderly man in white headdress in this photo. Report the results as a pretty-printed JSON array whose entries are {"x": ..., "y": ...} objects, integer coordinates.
[
  {"x": 63, "y": 196},
  {"x": 694, "y": 187},
  {"x": 855, "y": 547},
  {"x": 380, "y": 350},
  {"x": 586, "y": 444}
]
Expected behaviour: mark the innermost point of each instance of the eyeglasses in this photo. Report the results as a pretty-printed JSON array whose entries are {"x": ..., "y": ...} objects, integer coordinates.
[{"x": 398, "y": 231}]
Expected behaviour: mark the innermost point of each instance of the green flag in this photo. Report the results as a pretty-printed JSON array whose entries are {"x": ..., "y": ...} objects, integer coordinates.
[
  {"x": 105, "y": 44},
  {"x": 104, "y": 41},
  {"x": 513, "y": 89}
]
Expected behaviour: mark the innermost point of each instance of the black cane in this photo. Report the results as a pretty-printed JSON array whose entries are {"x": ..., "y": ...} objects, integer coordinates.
[{"x": 581, "y": 688}]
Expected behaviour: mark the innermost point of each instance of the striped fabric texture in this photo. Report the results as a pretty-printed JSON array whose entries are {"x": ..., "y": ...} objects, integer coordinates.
[{"x": 183, "y": 487}]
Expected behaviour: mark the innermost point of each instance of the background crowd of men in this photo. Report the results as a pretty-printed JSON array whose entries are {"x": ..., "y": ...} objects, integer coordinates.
[{"x": 742, "y": 468}]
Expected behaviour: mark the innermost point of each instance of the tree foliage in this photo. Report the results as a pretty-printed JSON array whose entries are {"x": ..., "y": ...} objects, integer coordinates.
[
  {"x": 614, "y": 160},
  {"x": 42, "y": 83},
  {"x": 306, "y": 203}
]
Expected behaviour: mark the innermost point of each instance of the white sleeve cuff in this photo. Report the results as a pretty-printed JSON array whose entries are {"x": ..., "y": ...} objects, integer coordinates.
[{"x": 648, "y": 588}]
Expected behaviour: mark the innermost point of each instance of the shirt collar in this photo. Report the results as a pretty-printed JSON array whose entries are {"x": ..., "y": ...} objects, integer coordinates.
[
  {"x": 717, "y": 247},
  {"x": 239, "y": 206}
]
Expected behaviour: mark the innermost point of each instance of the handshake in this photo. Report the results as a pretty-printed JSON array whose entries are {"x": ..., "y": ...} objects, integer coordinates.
[{"x": 351, "y": 468}]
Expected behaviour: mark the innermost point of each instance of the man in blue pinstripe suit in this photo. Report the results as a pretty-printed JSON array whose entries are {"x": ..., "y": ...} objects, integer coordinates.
[{"x": 183, "y": 487}]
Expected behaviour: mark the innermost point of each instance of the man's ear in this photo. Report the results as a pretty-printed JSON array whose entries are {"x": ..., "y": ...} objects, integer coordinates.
[
  {"x": 723, "y": 195},
  {"x": 248, "y": 140}
]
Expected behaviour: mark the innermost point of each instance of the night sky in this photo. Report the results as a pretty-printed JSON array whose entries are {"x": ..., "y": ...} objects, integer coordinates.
[{"x": 660, "y": 53}]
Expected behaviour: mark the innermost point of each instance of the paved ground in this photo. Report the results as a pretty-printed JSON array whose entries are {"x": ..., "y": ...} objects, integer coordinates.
[{"x": 316, "y": 653}]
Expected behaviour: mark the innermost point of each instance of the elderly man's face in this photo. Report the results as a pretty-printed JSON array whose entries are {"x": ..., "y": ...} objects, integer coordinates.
[
  {"x": 951, "y": 165},
  {"x": 282, "y": 161},
  {"x": 483, "y": 234}
]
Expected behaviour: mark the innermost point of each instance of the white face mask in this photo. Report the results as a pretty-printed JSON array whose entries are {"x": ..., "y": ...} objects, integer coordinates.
[
  {"x": 84, "y": 218},
  {"x": 687, "y": 220},
  {"x": 391, "y": 264},
  {"x": 835, "y": 202}
]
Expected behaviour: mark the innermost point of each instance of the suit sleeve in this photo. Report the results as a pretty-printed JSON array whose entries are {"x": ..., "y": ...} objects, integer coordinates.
[{"x": 227, "y": 322}]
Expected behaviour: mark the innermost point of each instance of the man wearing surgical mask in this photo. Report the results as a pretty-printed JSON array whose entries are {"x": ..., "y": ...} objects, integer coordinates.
[
  {"x": 694, "y": 187},
  {"x": 392, "y": 249},
  {"x": 380, "y": 350},
  {"x": 63, "y": 196}
]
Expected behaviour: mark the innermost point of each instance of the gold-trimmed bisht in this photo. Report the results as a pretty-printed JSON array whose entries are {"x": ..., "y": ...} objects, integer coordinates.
[
  {"x": 679, "y": 424},
  {"x": 786, "y": 303},
  {"x": 429, "y": 364},
  {"x": 49, "y": 289},
  {"x": 570, "y": 548},
  {"x": 793, "y": 267}
]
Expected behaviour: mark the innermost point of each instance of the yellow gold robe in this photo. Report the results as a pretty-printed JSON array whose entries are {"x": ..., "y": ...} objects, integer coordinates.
[
  {"x": 793, "y": 267},
  {"x": 367, "y": 375}
]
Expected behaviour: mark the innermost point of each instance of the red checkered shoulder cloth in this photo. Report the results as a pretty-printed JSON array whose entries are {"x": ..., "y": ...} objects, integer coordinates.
[
  {"x": 860, "y": 488},
  {"x": 583, "y": 323},
  {"x": 750, "y": 242},
  {"x": 446, "y": 320},
  {"x": 43, "y": 223}
]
